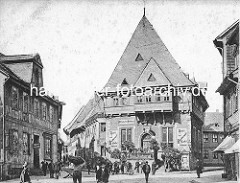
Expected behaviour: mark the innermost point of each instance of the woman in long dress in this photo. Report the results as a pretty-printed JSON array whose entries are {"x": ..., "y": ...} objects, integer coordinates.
[{"x": 25, "y": 177}]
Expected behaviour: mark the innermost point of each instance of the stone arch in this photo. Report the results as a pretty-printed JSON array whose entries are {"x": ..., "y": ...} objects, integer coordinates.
[{"x": 145, "y": 139}]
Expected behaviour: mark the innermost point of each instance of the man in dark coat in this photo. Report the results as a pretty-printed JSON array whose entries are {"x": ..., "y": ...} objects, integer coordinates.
[
  {"x": 198, "y": 167},
  {"x": 146, "y": 170},
  {"x": 51, "y": 169},
  {"x": 44, "y": 167}
]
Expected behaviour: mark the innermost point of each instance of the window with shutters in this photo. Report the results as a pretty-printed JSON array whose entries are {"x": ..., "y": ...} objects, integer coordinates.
[
  {"x": 26, "y": 143},
  {"x": 36, "y": 108},
  {"x": 25, "y": 102},
  {"x": 126, "y": 135},
  {"x": 44, "y": 111},
  {"x": 13, "y": 142},
  {"x": 48, "y": 147},
  {"x": 167, "y": 137},
  {"x": 51, "y": 113},
  {"x": 14, "y": 97}
]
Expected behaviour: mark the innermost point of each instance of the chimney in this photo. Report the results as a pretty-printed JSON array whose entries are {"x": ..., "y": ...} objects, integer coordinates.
[{"x": 217, "y": 110}]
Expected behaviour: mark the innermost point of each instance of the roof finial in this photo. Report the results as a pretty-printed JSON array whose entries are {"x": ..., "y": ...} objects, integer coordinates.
[{"x": 144, "y": 8}]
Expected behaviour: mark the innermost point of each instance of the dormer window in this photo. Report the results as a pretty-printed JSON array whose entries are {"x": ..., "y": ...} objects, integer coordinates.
[
  {"x": 151, "y": 77},
  {"x": 124, "y": 82},
  {"x": 139, "y": 57}
]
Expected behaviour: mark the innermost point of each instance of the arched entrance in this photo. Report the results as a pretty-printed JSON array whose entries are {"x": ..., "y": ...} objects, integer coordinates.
[{"x": 145, "y": 142}]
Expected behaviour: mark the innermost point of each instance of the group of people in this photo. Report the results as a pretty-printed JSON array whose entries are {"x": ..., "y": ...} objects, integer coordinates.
[{"x": 54, "y": 168}]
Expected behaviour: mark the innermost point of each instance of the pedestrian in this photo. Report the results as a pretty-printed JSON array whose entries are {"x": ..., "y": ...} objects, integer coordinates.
[
  {"x": 44, "y": 167},
  {"x": 146, "y": 170},
  {"x": 25, "y": 177},
  {"x": 137, "y": 166},
  {"x": 198, "y": 168},
  {"x": 122, "y": 168},
  {"x": 77, "y": 171},
  {"x": 102, "y": 174},
  {"x": 51, "y": 169},
  {"x": 88, "y": 167},
  {"x": 57, "y": 168}
]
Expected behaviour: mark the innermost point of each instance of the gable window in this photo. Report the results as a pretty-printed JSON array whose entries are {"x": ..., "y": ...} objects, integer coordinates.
[
  {"x": 151, "y": 77},
  {"x": 103, "y": 127},
  {"x": 124, "y": 100},
  {"x": 25, "y": 102},
  {"x": 214, "y": 137},
  {"x": 158, "y": 97},
  {"x": 205, "y": 137},
  {"x": 14, "y": 97},
  {"x": 139, "y": 57},
  {"x": 116, "y": 101},
  {"x": 124, "y": 82},
  {"x": 148, "y": 98},
  {"x": 139, "y": 99},
  {"x": 166, "y": 98}
]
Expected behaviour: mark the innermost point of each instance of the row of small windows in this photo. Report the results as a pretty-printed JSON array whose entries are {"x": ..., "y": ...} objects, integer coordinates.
[
  {"x": 206, "y": 155},
  {"x": 214, "y": 137},
  {"x": 27, "y": 104},
  {"x": 140, "y": 99}
]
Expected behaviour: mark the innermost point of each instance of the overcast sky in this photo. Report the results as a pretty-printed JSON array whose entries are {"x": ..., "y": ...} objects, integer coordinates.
[{"x": 80, "y": 42}]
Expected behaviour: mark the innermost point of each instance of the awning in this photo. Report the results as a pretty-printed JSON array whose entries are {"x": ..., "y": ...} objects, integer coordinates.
[
  {"x": 226, "y": 144},
  {"x": 234, "y": 148},
  {"x": 77, "y": 131}
]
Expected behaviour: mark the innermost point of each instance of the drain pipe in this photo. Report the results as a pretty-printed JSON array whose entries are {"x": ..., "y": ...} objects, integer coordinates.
[{"x": 3, "y": 120}]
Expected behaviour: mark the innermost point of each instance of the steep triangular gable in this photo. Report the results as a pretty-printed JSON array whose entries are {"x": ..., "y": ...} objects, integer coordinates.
[
  {"x": 146, "y": 41},
  {"x": 151, "y": 71}
]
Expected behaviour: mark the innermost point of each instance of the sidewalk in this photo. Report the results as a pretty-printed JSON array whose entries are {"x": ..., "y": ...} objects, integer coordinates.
[{"x": 160, "y": 173}]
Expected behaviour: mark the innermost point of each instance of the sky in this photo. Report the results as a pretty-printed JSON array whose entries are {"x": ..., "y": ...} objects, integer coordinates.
[{"x": 80, "y": 42}]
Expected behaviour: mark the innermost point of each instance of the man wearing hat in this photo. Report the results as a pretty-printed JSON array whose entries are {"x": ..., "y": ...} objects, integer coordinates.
[{"x": 146, "y": 170}]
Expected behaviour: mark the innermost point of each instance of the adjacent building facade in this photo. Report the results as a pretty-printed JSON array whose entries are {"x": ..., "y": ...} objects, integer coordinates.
[
  {"x": 213, "y": 135},
  {"x": 147, "y": 96},
  {"x": 227, "y": 44},
  {"x": 29, "y": 120}
]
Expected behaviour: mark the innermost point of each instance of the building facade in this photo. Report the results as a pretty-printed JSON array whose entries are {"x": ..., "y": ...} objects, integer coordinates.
[
  {"x": 29, "y": 120},
  {"x": 147, "y": 96},
  {"x": 213, "y": 135},
  {"x": 227, "y": 44}
]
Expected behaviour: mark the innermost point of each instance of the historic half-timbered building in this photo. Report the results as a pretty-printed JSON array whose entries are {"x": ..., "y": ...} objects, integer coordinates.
[
  {"x": 133, "y": 105},
  {"x": 29, "y": 120},
  {"x": 227, "y": 44}
]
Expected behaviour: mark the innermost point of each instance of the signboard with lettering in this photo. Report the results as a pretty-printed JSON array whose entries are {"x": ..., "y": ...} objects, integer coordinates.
[
  {"x": 182, "y": 136},
  {"x": 113, "y": 139}
]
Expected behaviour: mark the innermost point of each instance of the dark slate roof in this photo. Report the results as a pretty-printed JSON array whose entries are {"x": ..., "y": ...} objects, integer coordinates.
[
  {"x": 21, "y": 65},
  {"x": 146, "y": 42},
  {"x": 92, "y": 107},
  {"x": 213, "y": 122},
  {"x": 20, "y": 58}
]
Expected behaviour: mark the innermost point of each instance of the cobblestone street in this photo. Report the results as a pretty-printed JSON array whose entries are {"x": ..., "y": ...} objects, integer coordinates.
[{"x": 160, "y": 177}]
